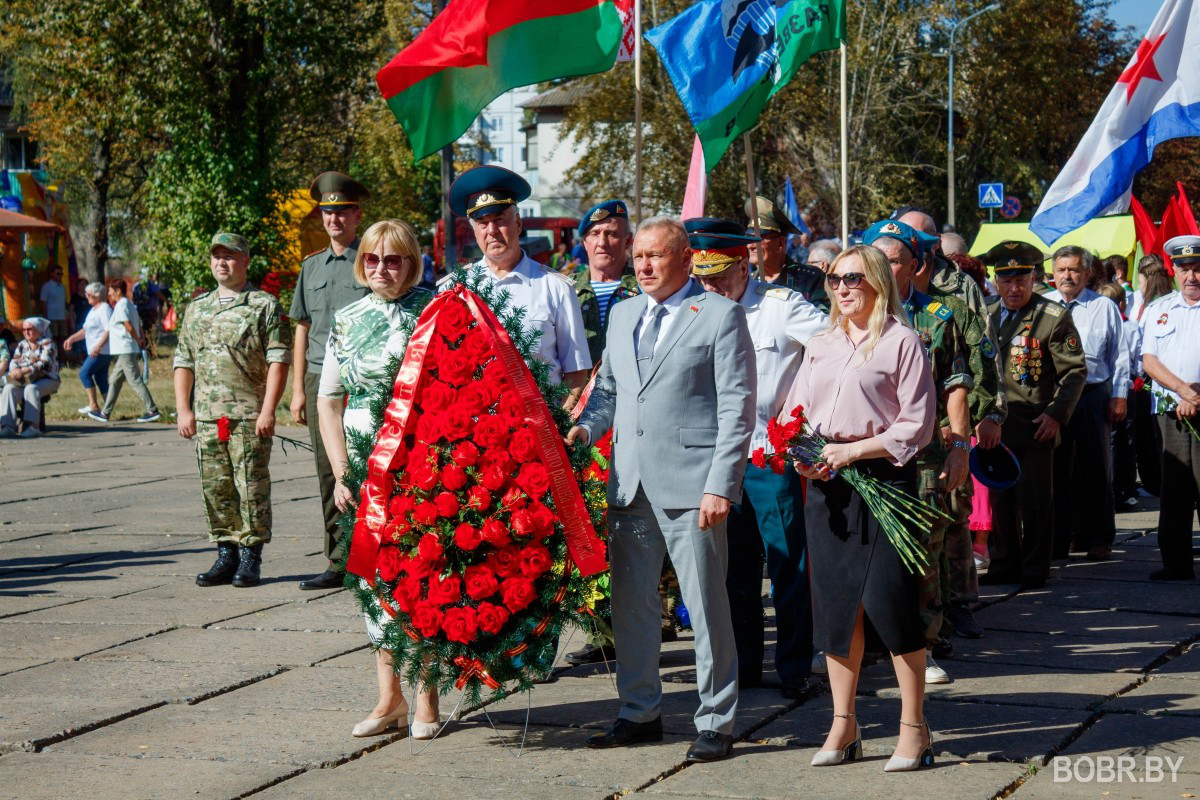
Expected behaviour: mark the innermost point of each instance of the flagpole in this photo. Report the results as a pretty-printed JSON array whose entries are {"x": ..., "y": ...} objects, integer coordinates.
[
  {"x": 752, "y": 194},
  {"x": 637, "y": 111},
  {"x": 845, "y": 156}
]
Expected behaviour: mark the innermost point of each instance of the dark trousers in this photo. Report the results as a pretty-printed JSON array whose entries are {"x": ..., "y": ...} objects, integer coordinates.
[
  {"x": 771, "y": 518},
  {"x": 1084, "y": 512},
  {"x": 325, "y": 476},
  {"x": 1180, "y": 494},
  {"x": 1023, "y": 516},
  {"x": 1124, "y": 457},
  {"x": 1147, "y": 438}
]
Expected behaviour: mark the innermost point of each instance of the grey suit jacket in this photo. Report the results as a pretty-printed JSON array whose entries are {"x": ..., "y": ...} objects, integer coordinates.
[{"x": 686, "y": 431}]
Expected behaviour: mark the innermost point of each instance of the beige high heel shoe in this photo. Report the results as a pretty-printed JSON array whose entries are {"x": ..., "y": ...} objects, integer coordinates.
[
  {"x": 425, "y": 730},
  {"x": 925, "y": 759},
  {"x": 851, "y": 752},
  {"x": 378, "y": 725}
]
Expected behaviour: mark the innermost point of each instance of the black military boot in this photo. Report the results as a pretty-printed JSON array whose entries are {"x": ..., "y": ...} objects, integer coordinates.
[
  {"x": 223, "y": 568},
  {"x": 249, "y": 561}
]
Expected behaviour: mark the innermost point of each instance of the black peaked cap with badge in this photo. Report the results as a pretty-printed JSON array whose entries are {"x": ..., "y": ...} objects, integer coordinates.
[
  {"x": 1014, "y": 258},
  {"x": 485, "y": 190},
  {"x": 717, "y": 244},
  {"x": 336, "y": 190}
]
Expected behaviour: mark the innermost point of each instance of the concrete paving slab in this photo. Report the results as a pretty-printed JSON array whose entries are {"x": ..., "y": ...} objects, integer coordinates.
[
  {"x": 134, "y": 610},
  {"x": 1160, "y": 696},
  {"x": 282, "y": 648},
  {"x": 337, "y": 784},
  {"x": 273, "y": 589},
  {"x": 1013, "y": 685},
  {"x": 339, "y": 612},
  {"x": 971, "y": 731},
  {"x": 1016, "y": 615},
  {"x": 1043, "y": 786},
  {"x": 80, "y": 580},
  {"x": 50, "y": 640},
  {"x": 13, "y": 605},
  {"x": 308, "y": 688},
  {"x": 1140, "y": 736},
  {"x": 1182, "y": 597},
  {"x": 9, "y": 665},
  {"x": 1061, "y": 651},
  {"x": 270, "y": 736},
  {"x": 772, "y": 772},
  {"x": 1187, "y": 665},
  {"x": 53, "y": 776},
  {"x": 580, "y": 702},
  {"x": 474, "y": 756},
  {"x": 48, "y": 552}
]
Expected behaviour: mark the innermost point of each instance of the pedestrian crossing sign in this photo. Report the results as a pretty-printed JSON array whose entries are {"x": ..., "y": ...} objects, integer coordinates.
[{"x": 991, "y": 195}]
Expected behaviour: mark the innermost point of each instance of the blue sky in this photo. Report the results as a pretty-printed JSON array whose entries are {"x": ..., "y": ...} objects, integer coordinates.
[{"x": 1137, "y": 13}]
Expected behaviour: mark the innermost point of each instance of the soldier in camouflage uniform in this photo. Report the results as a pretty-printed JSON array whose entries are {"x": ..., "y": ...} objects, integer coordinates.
[
  {"x": 940, "y": 469},
  {"x": 232, "y": 357}
]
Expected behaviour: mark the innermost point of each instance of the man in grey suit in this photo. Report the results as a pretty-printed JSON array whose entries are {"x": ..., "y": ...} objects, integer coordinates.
[{"x": 678, "y": 380}]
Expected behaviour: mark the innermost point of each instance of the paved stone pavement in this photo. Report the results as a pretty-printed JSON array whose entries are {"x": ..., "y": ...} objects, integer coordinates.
[{"x": 120, "y": 678}]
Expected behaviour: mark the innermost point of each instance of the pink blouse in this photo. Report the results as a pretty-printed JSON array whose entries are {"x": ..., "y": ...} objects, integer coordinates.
[{"x": 891, "y": 396}]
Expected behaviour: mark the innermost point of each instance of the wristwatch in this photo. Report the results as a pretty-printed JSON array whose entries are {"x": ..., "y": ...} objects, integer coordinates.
[
  {"x": 960, "y": 444},
  {"x": 995, "y": 417}
]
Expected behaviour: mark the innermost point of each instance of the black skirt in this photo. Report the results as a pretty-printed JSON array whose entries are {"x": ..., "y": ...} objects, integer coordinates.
[{"x": 853, "y": 562}]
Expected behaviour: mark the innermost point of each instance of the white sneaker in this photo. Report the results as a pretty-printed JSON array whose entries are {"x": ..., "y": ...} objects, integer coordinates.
[
  {"x": 30, "y": 433},
  {"x": 85, "y": 410},
  {"x": 982, "y": 562},
  {"x": 934, "y": 673},
  {"x": 819, "y": 665}
]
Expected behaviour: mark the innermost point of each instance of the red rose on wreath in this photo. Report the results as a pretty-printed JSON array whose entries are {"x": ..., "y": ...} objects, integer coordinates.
[
  {"x": 421, "y": 475},
  {"x": 407, "y": 593},
  {"x": 453, "y": 319},
  {"x": 457, "y": 423},
  {"x": 427, "y": 619},
  {"x": 480, "y": 581},
  {"x": 389, "y": 563},
  {"x": 505, "y": 562},
  {"x": 543, "y": 518},
  {"x": 478, "y": 498},
  {"x": 493, "y": 478},
  {"x": 425, "y": 514},
  {"x": 429, "y": 548},
  {"x": 494, "y": 533},
  {"x": 535, "y": 561},
  {"x": 446, "y": 504},
  {"x": 499, "y": 458},
  {"x": 466, "y": 537},
  {"x": 523, "y": 445},
  {"x": 511, "y": 404},
  {"x": 476, "y": 345},
  {"x": 400, "y": 505},
  {"x": 534, "y": 479},
  {"x": 429, "y": 427},
  {"x": 523, "y": 523},
  {"x": 491, "y": 431},
  {"x": 454, "y": 477},
  {"x": 465, "y": 454},
  {"x": 460, "y": 625},
  {"x": 474, "y": 399},
  {"x": 418, "y": 568},
  {"x": 514, "y": 498},
  {"x": 445, "y": 591},
  {"x": 517, "y": 593},
  {"x": 494, "y": 372},
  {"x": 491, "y": 617},
  {"x": 436, "y": 396},
  {"x": 455, "y": 368}
]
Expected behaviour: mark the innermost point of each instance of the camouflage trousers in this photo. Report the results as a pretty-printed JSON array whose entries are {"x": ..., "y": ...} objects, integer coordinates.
[
  {"x": 235, "y": 480},
  {"x": 935, "y": 584},
  {"x": 964, "y": 579}
]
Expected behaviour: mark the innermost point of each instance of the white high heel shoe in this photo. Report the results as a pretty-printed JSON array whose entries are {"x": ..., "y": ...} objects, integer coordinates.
[
  {"x": 425, "y": 730},
  {"x": 851, "y": 752},
  {"x": 925, "y": 759},
  {"x": 378, "y": 725}
]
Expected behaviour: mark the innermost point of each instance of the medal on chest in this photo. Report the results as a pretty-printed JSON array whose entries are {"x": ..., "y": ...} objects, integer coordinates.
[{"x": 1025, "y": 359}]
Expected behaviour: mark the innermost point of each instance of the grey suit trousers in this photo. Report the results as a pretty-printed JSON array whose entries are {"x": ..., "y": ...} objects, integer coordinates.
[{"x": 639, "y": 536}]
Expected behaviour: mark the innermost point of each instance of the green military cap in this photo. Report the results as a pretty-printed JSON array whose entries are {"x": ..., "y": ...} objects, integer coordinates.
[
  {"x": 771, "y": 218},
  {"x": 1014, "y": 258},
  {"x": 230, "y": 241},
  {"x": 1183, "y": 249},
  {"x": 336, "y": 190}
]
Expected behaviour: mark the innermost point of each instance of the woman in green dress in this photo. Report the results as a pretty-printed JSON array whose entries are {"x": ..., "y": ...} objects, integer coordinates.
[{"x": 366, "y": 336}]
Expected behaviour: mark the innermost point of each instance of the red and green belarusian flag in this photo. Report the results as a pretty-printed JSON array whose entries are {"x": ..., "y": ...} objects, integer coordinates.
[{"x": 475, "y": 50}]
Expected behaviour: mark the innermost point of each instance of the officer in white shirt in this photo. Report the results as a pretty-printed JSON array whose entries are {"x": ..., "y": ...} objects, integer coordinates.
[
  {"x": 771, "y": 514},
  {"x": 489, "y": 196},
  {"x": 1085, "y": 511},
  {"x": 1171, "y": 357}
]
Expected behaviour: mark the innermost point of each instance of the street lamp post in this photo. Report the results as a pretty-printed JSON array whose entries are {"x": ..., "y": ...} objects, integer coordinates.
[{"x": 954, "y": 26}]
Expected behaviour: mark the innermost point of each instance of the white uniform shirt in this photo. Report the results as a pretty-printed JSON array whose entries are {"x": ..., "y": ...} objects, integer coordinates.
[
  {"x": 551, "y": 308},
  {"x": 1099, "y": 323},
  {"x": 1172, "y": 330},
  {"x": 781, "y": 322}
]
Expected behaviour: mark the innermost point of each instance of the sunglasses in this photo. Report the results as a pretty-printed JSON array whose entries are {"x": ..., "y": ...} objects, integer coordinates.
[
  {"x": 392, "y": 263},
  {"x": 852, "y": 280}
]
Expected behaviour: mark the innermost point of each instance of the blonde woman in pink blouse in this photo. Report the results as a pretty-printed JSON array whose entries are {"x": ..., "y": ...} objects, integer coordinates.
[{"x": 867, "y": 387}]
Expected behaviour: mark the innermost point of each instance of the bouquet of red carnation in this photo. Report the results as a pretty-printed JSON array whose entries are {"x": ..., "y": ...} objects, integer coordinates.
[{"x": 898, "y": 513}]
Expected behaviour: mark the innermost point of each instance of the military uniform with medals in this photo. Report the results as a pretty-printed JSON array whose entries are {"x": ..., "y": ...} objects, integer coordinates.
[{"x": 1044, "y": 373}]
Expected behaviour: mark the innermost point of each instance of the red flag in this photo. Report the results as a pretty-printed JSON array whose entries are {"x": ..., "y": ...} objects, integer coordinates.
[
  {"x": 1185, "y": 212},
  {"x": 1147, "y": 232}
]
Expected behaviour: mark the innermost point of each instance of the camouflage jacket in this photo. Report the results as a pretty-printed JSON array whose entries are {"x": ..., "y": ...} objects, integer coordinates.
[
  {"x": 981, "y": 354},
  {"x": 948, "y": 279},
  {"x": 589, "y": 304},
  {"x": 948, "y": 353},
  {"x": 229, "y": 349}
]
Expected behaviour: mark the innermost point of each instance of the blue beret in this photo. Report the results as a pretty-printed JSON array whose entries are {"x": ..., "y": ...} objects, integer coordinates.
[
  {"x": 486, "y": 190},
  {"x": 601, "y": 212},
  {"x": 901, "y": 232}
]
